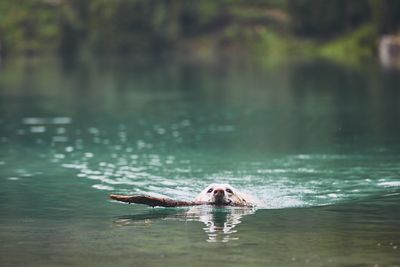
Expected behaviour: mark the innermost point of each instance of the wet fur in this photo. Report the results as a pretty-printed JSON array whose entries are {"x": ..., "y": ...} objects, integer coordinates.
[{"x": 224, "y": 194}]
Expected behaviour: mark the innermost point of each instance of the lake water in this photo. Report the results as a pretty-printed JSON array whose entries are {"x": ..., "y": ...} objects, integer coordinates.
[{"x": 317, "y": 143}]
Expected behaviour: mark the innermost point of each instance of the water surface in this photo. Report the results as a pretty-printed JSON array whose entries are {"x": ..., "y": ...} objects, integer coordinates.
[{"x": 317, "y": 143}]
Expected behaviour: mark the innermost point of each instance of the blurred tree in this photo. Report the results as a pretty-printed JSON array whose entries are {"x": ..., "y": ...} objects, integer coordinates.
[
  {"x": 386, "y": 15},
  {"x": 125, "y": 26},
  {"x": 29, "y": 25},
  {"x": 129, "y": 25},
  {"x": 73, "y": 25},
  {"x": 327, "y": 18}
]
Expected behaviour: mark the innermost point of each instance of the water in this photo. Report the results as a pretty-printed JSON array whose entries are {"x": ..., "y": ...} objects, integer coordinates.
[{"x": 316, "y": 143}]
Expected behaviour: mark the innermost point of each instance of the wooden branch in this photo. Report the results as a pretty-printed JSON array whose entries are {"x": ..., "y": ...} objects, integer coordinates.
[
  {"x": 154, "y": 201},
  {"x": 167, "y": 202}
]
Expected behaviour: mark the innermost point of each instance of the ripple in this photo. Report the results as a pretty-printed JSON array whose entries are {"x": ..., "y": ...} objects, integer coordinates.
[
  {"x": 31, "y": 121},
  {"x": 41, "y": 121},
  {"x": 103, "y": 187},
  {"x": 390, "y": 184},
  {"x": 37, "y": 129},
  {"x": 292, "y": 181},
  {"x": 61, "y": 139},
  {"x": 61, "y": 120}
]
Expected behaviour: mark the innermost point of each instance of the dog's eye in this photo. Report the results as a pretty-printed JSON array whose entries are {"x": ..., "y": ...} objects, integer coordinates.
[
  {"x": 210, "y": 190},
  {"x": 229, "y": 191}
]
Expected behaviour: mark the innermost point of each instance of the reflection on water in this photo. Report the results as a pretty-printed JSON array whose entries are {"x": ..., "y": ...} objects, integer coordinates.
[{"x": 220, "y": 222}]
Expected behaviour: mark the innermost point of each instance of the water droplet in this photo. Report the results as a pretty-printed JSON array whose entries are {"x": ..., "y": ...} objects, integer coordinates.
[
  {"x": 185, "y": 123},
  {"x": 33, "y": 121},
  {"x": 140, "y": 144},
  {"x": 161, "y": 131},
  {"x": 60, "y": 139},
  {"x": 94, "y": 131},
  {"x": 38, "y": 129},
  {"x": 103, "y": 187},
  {"x": 61, "y": 120},
  {"x": 61, "y": 130}
]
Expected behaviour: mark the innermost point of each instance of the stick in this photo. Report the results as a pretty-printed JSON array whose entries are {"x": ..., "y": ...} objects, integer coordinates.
[
  {"x": 167, "y": 202},
  {"x": 154, "y": 201}
]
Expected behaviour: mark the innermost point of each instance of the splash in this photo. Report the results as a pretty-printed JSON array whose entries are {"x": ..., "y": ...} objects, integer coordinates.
[{"x": 293, "y": 181}]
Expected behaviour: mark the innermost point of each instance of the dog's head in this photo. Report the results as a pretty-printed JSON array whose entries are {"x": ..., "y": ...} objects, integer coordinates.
[{"x": 222, "y": 194}]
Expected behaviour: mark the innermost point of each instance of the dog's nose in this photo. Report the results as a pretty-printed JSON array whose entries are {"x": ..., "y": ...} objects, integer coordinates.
[{"x": 218, "y": 192}]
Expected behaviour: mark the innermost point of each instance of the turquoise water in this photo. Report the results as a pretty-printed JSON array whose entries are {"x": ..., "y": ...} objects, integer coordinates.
[{"x": 316, "y": 143}]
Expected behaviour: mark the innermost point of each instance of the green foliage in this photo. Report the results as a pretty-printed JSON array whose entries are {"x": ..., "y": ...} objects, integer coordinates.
[
  {"x": 273, "y": 27},
  {"x": 29, "y": 25},
  {"x": 355, "y": 46}
]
